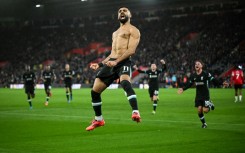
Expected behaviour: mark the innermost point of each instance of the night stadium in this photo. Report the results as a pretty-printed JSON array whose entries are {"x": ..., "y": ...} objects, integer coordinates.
[{"x": 169, "y": 74}]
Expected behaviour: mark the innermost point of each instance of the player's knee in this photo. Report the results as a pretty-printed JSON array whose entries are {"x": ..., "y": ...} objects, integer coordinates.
[
  {"x": 200, "y": 110},
  {"x": 95, "y": 96},
  {"x": 127, "y": 87}
]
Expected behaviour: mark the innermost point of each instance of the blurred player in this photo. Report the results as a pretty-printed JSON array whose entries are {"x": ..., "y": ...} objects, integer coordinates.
[
  {"x": 153, "y": 74},
  {"x": 237, "y": 80},
  {"x": 29, "y": 78},
  {"x": 48, "y": 76},
  {"x": 202, "y": 100},
  {"x": 117, "y": 65},
  {"x": 67, "y": 77}
]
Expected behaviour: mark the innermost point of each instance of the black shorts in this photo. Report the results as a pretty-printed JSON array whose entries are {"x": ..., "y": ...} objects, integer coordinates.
[
  {"x": 200, "y": 102},
  {"x": 238, "y": 86},
  {"x": 29, "y": 89},
  {"x": 153, "y": 91},
  {"x": 68, "y": 84},
  {"x": 109, "y": 74},
  {"x": 47, "y": 86}
]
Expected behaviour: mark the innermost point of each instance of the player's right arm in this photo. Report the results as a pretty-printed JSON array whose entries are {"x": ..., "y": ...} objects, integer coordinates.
[
  {"x": 187, "y": 86},
  {"x": 62, "y": 76},
  {"x": 42, "y": 77},
  {"x": 137, "y": 69},
  {"x": 95, "y": 66}
]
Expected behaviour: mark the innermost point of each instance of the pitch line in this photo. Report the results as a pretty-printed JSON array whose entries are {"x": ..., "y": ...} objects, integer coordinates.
[{"x": 108, "y": 118}]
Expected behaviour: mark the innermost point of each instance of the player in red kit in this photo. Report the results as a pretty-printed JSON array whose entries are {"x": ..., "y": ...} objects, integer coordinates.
[{"x": 237, "y": 80}]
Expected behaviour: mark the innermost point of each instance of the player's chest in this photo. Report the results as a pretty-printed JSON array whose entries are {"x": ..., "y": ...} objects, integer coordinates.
[
  {"x": 153, "y": 74},
  {"x": 29, "y": 75},
  {"x": 199, "y": 78},
  {"x": 121, "y": 33},
  {"x": 47, "y": 74}
]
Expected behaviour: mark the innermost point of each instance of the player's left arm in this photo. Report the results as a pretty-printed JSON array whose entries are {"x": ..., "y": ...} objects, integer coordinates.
[
  {"x": 34, "y": 79},
  {"x": 242, "y": 77},
  {"x": 213, "y": 79},
  {"x": 164, "y": 67},
  {"x": 72, "y": 74},
  {"x": 134, "y": 40},
  {"x": 54, "y": 76}
]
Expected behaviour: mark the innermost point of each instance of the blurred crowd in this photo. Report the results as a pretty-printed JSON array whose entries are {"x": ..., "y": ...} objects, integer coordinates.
[{"x": 180, "y": 36}]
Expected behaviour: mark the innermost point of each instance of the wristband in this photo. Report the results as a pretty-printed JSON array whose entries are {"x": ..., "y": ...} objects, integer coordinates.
[{"x": 101, "y": 64}]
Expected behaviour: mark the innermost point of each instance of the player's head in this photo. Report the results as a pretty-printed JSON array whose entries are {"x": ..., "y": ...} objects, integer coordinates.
[
  {"x": 153, "y": 67},
  {"x": 198, "y": 65},
  {"x": 67, "y": 67},
  {"x": 28, "y": 67},
  {"x": 124, "y": 15},
  {"x": 47, "y": 67}
]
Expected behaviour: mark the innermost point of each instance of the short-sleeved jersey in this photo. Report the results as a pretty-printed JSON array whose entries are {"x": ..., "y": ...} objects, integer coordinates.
[
  {"x": 237, "y": 77},
  {"x": 29, "y": 78},
  {"x": 67, "y": 75},
  {"x": 153, "y": 76},
  {"x": 48, "y": 76},
  {"x": 202, "y": 85}
]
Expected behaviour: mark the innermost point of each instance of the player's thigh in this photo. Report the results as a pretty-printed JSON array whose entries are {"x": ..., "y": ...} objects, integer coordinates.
[
  {"x": 151, "y": 92},
  {"x": 99, "y": 86},
  {"x": 125, "y": 77}
]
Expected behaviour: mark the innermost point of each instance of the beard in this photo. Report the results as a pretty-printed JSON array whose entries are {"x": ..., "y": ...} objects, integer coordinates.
[{"x": 123, "y": 20}]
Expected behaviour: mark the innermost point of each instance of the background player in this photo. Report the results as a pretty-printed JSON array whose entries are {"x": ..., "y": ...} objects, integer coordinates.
[
  {"x": 117, "y": 65},
  {"x": 202, "y": 100},
  {"x": 237, "y": 80},
  {"x": 67, "y": 77},
  {"x": 48, "y": 76},
  {"x": 153, "y": 74},
  {"x": 29, "y": 78}
]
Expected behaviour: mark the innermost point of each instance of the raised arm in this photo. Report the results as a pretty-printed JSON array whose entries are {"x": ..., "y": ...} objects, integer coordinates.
[{"x": 164, "y": 67}]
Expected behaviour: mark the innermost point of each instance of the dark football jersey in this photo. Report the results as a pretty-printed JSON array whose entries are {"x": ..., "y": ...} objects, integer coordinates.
[
  {"x": 153, "y": 76},
  {"x": 67, "y": 75},
  {"x": 202, "y": 85},
  {"x": 29, "y": 78},
  {"x": 48, "y": 76}
]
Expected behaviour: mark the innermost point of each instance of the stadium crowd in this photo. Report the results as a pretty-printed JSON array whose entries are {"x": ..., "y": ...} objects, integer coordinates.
[{"x": 213, "y": 34}]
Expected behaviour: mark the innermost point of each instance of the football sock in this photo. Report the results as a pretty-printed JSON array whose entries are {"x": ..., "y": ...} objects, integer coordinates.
[
  {"x": 98, "y": 118},
  {"x": 67, "y": 96},
  {"x": 130, "y": 94},
  {"x": 240, "y": 97},
  {"x": 96, "y": 103},
  {"x": 154, "y": 105},
  {"x": 236, "y": 97},
  {"x": 201, "y": 116},
  {"x": 70, "y": 96},
  {"x": 29, "y": 101},
  {"x": 47, "y": 98}
]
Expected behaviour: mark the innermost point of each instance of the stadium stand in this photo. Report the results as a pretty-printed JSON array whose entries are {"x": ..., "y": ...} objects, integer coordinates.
[{"x": 214, "y": 33}]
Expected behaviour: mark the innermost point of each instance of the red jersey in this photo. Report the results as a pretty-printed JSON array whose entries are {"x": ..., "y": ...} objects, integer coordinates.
[{"x": 237, "y": 77}]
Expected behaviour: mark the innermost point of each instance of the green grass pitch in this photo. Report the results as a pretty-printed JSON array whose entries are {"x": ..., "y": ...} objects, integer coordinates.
[{"x": 175, "y": 128}]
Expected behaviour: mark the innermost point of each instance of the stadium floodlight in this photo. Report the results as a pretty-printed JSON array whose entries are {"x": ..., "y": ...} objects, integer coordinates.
[
  {"x": 38, "y": 5},
  {"x": 83, "y": 0}
]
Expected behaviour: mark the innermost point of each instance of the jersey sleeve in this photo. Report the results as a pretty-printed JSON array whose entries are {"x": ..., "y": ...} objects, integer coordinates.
[
  {"x": 242, "y": 76},
  {"x": 142, "y": 71},
  {"x": 212, "y": 79},
  {"x": 189, "y": 83},
  {"x": 164, "y": 68}
]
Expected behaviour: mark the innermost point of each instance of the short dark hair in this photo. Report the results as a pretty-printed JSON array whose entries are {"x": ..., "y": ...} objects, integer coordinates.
[{"x": 200, "y": 62}]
